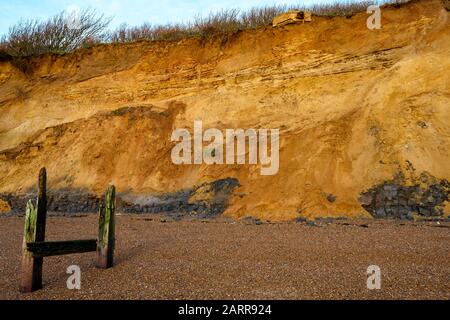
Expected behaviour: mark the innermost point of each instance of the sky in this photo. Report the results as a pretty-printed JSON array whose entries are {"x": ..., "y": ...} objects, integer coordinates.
[{"x": 132, "y": 12}]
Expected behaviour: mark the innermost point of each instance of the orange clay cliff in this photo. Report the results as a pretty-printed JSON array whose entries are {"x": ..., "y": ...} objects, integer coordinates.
[{"x": 364, "y": 119}]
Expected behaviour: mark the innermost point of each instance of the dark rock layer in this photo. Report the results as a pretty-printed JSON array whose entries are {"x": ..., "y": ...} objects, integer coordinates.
[
  {"x": 393, "y": 199},
  {"x": 178, "y": 204}
]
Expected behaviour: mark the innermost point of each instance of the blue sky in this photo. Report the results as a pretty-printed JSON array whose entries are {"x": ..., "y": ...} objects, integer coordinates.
[{"x": 132, "y": 12}]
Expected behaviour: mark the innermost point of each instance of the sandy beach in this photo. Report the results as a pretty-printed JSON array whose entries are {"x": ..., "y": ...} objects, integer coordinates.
[{"x": 220, "y": 259}]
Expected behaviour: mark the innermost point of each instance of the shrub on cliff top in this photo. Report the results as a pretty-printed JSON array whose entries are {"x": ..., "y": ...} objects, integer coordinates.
[
  {"x": 229, "y": 21},
  {"x": 61, "y": 33},
  {"x": 65, "y": 32}
]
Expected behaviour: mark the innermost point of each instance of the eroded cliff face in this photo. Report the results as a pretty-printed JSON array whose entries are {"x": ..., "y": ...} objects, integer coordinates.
[{"x": 356, "y": 109}]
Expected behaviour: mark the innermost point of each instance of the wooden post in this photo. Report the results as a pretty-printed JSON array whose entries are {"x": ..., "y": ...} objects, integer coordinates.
[
  {"x": 106, "y": 230},
  {"x": 34, "y": 247},
  {"x": 34, "y": 231},
  {"x": 60, "y": 248}
]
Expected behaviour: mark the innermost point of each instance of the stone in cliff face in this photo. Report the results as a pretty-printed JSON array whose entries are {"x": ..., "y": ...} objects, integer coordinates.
[
  {"x": 394, "y": 199},
  {"x": 4, "y": 207},
  {"x": 447, "y": 4}
]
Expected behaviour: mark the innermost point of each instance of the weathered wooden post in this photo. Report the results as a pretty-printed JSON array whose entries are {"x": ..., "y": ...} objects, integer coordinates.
[
  {"x": 106, "y": 230},
  {"x": 34, "y": 247},
  {"x": 34, "y": 231}
]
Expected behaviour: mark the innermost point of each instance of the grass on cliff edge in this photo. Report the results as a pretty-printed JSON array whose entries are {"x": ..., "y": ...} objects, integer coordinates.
[{"x": 58, "y": 36}]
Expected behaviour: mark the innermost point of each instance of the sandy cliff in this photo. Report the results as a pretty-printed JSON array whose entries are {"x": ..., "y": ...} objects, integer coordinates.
[{"x": 364, "y": 117}]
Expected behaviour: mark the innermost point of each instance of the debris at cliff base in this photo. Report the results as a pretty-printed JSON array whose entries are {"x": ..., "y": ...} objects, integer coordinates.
[
  {"x": 177, "y": 205},
  {"x": 395, "y": 199},
  {"x": 250, "y": 220}
]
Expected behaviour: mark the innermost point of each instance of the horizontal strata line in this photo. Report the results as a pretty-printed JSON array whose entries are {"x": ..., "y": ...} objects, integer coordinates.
[
  {"x": 323, "y": 59},
  {"x": 285, "y": 73}
]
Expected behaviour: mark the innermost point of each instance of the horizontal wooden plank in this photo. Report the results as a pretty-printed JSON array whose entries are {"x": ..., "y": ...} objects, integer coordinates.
[{"x": 59, "y": 248}]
